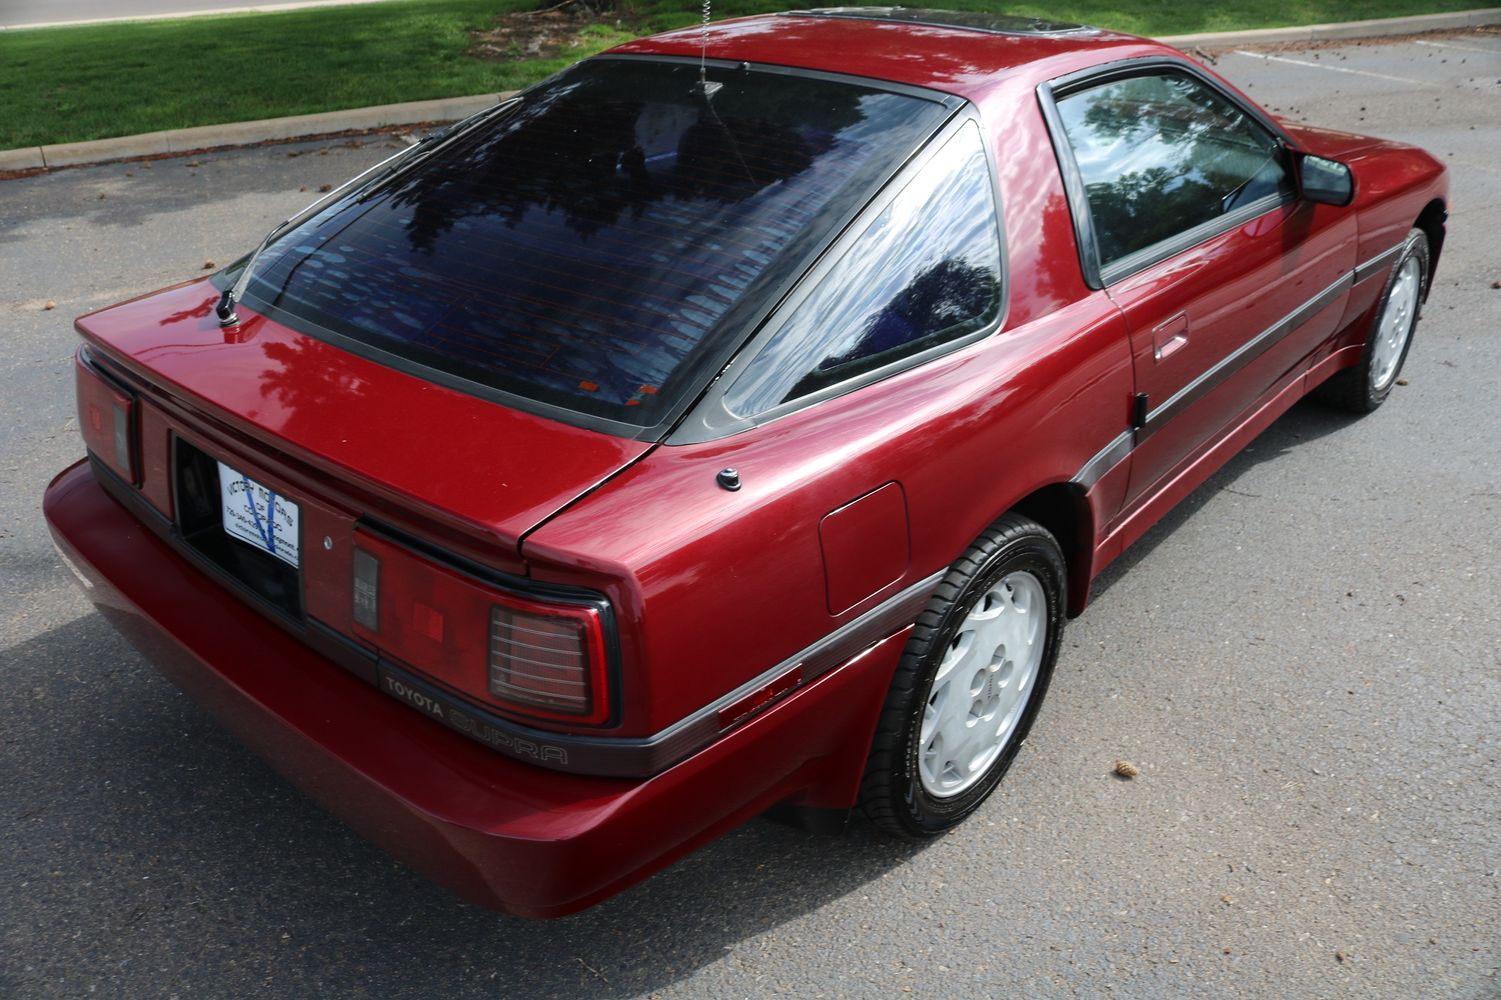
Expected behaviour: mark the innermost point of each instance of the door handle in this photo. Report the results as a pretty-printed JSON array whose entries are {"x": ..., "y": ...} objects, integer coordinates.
[{"x": 1170, "y": 338}]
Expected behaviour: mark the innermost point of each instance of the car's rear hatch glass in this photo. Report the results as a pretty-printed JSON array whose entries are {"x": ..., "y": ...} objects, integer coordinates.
[{"x": 593, "y": 253}]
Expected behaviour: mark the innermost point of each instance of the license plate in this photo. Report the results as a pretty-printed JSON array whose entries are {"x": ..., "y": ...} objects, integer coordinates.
[{"x": 258, "y": 516}]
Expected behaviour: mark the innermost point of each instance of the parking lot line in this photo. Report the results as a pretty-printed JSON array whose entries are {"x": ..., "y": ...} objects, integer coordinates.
[
  {"x": 1334, "y": 69},
  {"x": 1456, "y": 45}
]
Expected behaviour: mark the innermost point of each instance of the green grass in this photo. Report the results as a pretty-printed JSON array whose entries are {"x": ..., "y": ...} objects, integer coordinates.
[{"x": 97, "y": 81}]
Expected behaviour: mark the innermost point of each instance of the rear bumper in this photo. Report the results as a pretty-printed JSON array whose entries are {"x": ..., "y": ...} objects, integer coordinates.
[{"x": 496, "y": 831}]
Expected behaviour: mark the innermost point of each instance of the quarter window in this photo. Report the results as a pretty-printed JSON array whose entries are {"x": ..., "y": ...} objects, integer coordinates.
[
  {"x": 925, "y": 272},
  {"x": 1163, "y": 154}
]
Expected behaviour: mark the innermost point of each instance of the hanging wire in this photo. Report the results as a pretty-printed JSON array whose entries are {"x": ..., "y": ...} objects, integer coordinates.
[{"x": 703, "y": 46}]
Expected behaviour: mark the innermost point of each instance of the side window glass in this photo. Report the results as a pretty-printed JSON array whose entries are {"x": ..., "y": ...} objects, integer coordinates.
[
  {"x": 926, "y": 271},
  {"x": 1162, "y": 154}
]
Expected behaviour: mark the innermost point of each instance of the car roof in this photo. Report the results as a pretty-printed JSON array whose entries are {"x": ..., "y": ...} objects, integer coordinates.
[{"x": 961, "y": 53}]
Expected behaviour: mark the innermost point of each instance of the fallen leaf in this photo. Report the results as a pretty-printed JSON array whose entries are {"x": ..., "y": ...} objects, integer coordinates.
[
  {"x": 1341, "y": 957},
  {"x": 1126, "y": 769},
  {"x": 1227, "y": 899},
  {"x": 49, "y": 305},
  {"x": 1401, "y": 381},
  {"x": 209, "y": 265},
  {"x": 325, "y": 187},
  {"x": 1496, "y": 284}
]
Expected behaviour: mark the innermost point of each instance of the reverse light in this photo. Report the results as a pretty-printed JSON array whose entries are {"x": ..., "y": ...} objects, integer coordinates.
[
  {"x": 107, "y": 418},
  {"x": 535, "y": 657},
  {"x": 366, "y": 590}
]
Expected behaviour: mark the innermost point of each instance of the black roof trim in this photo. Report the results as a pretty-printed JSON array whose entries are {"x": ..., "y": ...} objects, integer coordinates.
[{"x": 965, "y": 20}]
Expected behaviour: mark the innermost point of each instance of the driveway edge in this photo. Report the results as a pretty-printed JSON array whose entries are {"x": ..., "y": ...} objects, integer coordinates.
[
  {"x": 1375, "y": 28},
  {"x": 33, "y": 158}
]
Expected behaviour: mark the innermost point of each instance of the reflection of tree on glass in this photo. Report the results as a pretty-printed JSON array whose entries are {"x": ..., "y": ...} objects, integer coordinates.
[
  {"x": 1162, "y": 154},
  {"x": 604, "y": 157},
  {"x": 945, "y": 297},
  {"x": 927, "y": 271},
  {"x": 583, "y": 249}
]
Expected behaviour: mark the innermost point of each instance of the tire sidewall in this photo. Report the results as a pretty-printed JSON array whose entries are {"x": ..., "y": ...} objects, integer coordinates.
[{"x": 1033, "y": 553}]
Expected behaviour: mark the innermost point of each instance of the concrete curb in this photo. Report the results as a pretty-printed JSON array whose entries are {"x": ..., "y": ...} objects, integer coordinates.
[
  {"x": 450, "y": 108},
  {"x": 183, "y": 140}
]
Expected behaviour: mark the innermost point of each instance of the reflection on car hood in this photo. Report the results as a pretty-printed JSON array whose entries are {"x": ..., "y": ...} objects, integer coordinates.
[{"x": 495, "y": 468}]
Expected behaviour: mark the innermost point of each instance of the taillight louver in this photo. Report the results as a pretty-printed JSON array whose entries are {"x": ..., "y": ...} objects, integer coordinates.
[{"x": 539, "y": 659}]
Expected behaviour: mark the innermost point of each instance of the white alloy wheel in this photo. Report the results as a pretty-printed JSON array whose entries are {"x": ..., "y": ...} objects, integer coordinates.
[
  {"x": 1395, "y": 326},
  {"x": 983, "y": 684}
]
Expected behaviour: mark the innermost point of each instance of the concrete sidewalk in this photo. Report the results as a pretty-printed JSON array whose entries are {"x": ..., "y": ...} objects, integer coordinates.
[{"x": 34, "y": 158}]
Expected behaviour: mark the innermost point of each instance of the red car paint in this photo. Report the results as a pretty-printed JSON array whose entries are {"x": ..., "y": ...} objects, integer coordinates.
[{"x": 846, "y": 510}]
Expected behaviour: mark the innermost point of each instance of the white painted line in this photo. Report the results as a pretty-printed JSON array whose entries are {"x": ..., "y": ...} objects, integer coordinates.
[
  {"x": 1456, "y": 45},
  {"x": 1335, "y": 69}
]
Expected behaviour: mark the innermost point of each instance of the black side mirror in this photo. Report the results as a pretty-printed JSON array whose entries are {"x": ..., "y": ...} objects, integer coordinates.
[{"x": 1325, "y": 181}]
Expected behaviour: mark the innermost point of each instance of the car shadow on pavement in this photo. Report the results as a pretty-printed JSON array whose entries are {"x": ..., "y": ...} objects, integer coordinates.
[
  {"x": 149, "y": 853},
  {"x": 1308, "y": 420}
]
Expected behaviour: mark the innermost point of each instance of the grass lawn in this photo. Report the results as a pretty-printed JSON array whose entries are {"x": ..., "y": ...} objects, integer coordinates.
[{"x": 97, "y": 81}]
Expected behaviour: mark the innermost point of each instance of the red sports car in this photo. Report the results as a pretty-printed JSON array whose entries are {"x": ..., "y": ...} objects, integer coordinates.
[{"x": 730, "y": 420}]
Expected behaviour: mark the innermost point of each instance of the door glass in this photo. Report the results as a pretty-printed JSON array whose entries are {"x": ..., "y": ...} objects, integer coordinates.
[{"x": 1162, "y": 154}]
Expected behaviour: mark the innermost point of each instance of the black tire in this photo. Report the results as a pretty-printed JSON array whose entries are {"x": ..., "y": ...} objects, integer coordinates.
[
  {"x": 893, "y": 793},
  {"x": 1360, "y": 389}
]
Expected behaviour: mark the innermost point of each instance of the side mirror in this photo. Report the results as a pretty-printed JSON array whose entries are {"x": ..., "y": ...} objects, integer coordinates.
[{"x": 1325, "y": 181}]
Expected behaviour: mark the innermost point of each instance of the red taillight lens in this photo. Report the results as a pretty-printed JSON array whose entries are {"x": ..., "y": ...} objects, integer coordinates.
[
  {"x": 524, "y": 656},
  {"x": 547, "y": 659},
  {"x": 107, "y": 418}
]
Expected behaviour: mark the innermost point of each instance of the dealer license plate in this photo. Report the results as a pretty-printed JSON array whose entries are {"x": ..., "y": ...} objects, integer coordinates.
[{"x": 258, "y": 516}]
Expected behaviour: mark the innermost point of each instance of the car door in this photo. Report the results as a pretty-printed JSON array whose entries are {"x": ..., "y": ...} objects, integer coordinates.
[{"x": 1189, "y": 216}]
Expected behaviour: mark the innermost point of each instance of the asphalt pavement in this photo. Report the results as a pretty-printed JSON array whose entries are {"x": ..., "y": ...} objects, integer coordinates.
[{"x": 1304, "y": 661}]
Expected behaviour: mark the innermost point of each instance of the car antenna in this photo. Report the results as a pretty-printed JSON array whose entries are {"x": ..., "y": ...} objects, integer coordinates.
[
  {"x": 366, "y": 181},
  {"x": 703, "y": 87},
  {"x": 706, "y": 89}
]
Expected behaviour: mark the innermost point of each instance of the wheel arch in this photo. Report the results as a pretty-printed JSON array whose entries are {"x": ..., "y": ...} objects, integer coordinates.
[
  {"x": 1431, "y": 221},
  {"x": 1064, "y": 510}
]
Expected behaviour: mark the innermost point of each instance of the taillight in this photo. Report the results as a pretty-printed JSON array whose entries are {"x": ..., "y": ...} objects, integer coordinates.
[
  {"x": 550, "y": 658},
  {"x": 527, "y": 656},
  {"x": 107, "y": 418}
]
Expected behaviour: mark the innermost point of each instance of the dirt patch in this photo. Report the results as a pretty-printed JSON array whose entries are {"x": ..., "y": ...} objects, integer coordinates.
[{"x": 573, "y": 26}]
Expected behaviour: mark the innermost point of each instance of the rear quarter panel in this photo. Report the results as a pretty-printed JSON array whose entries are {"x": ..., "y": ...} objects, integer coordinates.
[{"x": 714, "y": 587}]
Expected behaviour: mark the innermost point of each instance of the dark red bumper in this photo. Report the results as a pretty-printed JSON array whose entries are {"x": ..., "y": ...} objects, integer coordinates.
[{"x": 496, "y": 831}]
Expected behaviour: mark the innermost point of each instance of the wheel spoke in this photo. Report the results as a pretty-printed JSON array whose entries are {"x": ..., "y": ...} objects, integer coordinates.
[
  {"x": 1394, "y": 328},
  {"x": 957, "y": 653},
  {"x": 983, "y": 684}
]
